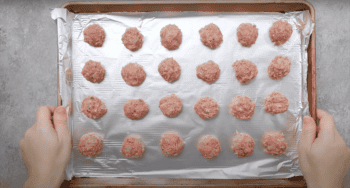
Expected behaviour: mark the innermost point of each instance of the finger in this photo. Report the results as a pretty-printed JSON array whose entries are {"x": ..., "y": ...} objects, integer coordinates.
[
  {"x": 61, "y": 125},
  {"x": 326, "y": 126},
  {"x": 43, "y": 117},
  {"x": 309, "y": 132}
]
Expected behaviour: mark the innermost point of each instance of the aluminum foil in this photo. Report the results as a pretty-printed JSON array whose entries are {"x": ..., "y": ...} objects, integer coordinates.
[{"x": 73, "y": 53}]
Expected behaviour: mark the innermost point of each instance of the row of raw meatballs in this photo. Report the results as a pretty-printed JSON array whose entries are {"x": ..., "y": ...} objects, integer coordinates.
[
  {"x": 245, "y": 71},
  {"x": 171, "y": 144},
  {"x": 211, "y": 36},
  {"x": 240, "y": 107}
]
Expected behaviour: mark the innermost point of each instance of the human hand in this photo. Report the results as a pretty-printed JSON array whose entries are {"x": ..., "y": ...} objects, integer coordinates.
[
  {"x": 46, "y": 148},
  {"x": 324, "y": 160}
]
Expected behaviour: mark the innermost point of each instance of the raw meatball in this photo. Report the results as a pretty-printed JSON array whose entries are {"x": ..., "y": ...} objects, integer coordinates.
[
  {"x": 91, "y": 144},
  {"x": 206, "y": 108},
  {"x": 247, "y": 34},
  {"x": 133, "y": 74},
  {"x": 208, "y": 72},
  {"x": 94, "y": 35},
  {"x": 170, "y": 105},
  {"x": 245, "y": 71},
  {"x": 279, "y": 67},
  {"x": 135, "y": 109},
  {"x": 242, "y": 145},
  {"x": 169, "y": 69},
  {"x": 280, "y": 32},
  {"x": 211, "y": 36},
  {"x": 171, "y": 37},
  {"x": 242, "y": 107},
  {"x": 209, "y": 146},
  {"x": 93, "y": 71},
  {"x": 133, "y": 147},
  {"x": 171, "y": 144},
  {"x": 132, "y": 39},
  {"x": 93, "y": 107},
  {"x": 274, "y": 143},
  {"x": 276, "y": 103}
]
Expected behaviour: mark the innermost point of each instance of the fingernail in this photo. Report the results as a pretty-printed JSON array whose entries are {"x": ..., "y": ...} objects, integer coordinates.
[{"x": 61, "y": 110}]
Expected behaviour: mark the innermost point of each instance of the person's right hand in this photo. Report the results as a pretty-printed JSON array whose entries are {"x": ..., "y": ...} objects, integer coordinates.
[{"x": 324, "y": 160}]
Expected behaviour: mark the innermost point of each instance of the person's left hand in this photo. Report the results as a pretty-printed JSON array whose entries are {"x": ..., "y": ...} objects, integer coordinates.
[{"x": 46, "y": 148}]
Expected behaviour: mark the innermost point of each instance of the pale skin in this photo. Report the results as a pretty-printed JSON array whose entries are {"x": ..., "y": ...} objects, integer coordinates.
[
  {"x": 324, "y": 160},
  {"x": 46, "y": 148}
]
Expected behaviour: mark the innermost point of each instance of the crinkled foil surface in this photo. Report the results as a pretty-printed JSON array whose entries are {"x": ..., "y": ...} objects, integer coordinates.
[{"x": 73, "y": 53}]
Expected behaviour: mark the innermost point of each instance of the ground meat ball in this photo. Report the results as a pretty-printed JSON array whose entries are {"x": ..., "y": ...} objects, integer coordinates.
[
  {"x": 208, "y": 72},
  {"x": 133, "y": 147},
  {"x": 274, "y": 143},
  {"x": 170, "y": 105},
  {"x": 242, "y": 145},
  {"x": 169, "y": 69},
  {"x": 132, "y": 39},
  {"x": 276, "y": 103},
  {"x": 279, "y": 67},
  {"x": 93, "y": 107},
  {"x": 280, "y": 32},
  {"x": 206, "y": 108},
  {"x": 94, "y": 35},
  {"x": 171, "y": 37},
  {"x": 242, "y": 107},
  {"x": 90, "y": 145},
  {"x": 135, "y": 109},
  {"x": 211, "y": 36},
  {"x": 247, "y": 34},
  {"x": 93, "y": 71},
  {"x": 171, "y": 144},
  {"x": 209, "y": 146},
  {"x": 133, "y": 74},
  {"x": 245, "y": 71}
]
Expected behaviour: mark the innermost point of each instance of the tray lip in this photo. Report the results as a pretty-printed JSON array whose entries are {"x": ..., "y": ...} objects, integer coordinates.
[{"x": 312, "y": 44}]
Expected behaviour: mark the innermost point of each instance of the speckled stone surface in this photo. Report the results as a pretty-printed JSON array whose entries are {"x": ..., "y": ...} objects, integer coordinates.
[{"x": 28, "y": 72}]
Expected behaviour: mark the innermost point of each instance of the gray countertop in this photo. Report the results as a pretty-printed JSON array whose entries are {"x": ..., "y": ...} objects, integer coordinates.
[{"x": 28, "y": 72}]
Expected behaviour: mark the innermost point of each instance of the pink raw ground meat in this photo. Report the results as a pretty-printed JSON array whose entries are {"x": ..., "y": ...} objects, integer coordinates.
[
  {"x": 171, "y": 144},
  {"x": 211, "y": 36},
  {"x": 206, "y": 108},
  {"x": 245, "y": 71},
  {"x": 242, "y": 107},
  {"x": 279, "y": 67},
  {"x": 276, "y": 103},
  {"x": 135, "y": 109},
  {"x": 91, "y": 145},
  {"x": 247, "y": 34},
  {"x": 94, "y": 35},
  {"x": 93, "y": 107},
  {"x": 133, "y": 74},
  {"x": 93, "y": 71},
  {"x": 280, "y": 32},
  {"x": 274, "y": 143},
  {"x": 242, "y": 145},
  {"x": 132, "y": 39},
  {"x": 209, "y": 146},
  {"x": 170, "y": 105},
  {"x": 171, "y": 37},
  {"x": 208, "y": 72},
  {"x": 169, "y": 69},
  {"x": 133, "y": 147}
]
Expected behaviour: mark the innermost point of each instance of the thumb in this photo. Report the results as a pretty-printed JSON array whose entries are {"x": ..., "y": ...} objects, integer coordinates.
[
  {"x": 60, "y": 121},
  {"x": 309, "y": 132}
]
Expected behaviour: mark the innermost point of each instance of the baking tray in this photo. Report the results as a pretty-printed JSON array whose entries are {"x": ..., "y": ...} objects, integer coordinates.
[{"x": 272, "y": 6}]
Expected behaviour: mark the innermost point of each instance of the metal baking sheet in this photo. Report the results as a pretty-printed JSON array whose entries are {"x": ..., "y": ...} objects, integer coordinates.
[{"x": 113, "y": 90}]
